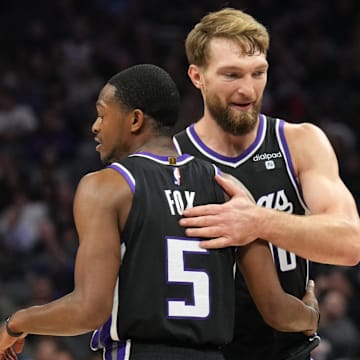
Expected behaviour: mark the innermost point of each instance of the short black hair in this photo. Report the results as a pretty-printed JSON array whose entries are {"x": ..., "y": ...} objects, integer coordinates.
[{"x": 151, "y": 89}]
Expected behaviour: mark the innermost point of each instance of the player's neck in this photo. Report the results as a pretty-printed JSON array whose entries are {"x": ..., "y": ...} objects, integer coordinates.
[
  {"x": 214, "y": 137},
  {"x": 159, "y": 145}
]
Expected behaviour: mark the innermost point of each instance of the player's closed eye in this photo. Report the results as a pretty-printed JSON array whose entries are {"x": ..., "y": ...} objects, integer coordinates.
[
  {"x": 232, "y": 76},
  {"x": 259, "y": 73}
]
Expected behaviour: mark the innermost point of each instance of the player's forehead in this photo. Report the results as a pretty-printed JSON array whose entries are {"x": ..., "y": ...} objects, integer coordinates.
[
  {"x": 106, "y": 96},
  {"x": 224, "y": 52}
]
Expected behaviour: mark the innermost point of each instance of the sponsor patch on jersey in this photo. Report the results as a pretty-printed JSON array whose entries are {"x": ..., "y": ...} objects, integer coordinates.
[
  {"x": 267, "y": 156},
  {"x": 267, "y": 161}
]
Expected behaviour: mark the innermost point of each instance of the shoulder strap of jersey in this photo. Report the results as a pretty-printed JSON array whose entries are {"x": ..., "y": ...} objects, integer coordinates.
[
  {"x": 124, "y": 171},
  {"x": 181, "y": 140}
]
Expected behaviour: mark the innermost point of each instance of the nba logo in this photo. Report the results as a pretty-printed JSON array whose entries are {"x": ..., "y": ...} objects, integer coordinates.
[
  {"x": 177, "y": 176},
  {"x": 270, "y": 164}
]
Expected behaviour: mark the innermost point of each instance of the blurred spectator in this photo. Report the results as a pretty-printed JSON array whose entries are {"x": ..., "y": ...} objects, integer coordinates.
[
  {"x": 16, "y": 120},
  {"x": 45, "y": 348},
  {"x": 345, "y": 143},
  {"x": 10, "y": 179},
  {"x": 323, "y": 351},
  {"x": 20, "y": 223},
  {"x": 336, "y": 327}
]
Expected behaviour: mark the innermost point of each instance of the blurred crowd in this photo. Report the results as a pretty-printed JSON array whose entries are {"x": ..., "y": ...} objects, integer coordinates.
[{"x": 56, "y": 55}]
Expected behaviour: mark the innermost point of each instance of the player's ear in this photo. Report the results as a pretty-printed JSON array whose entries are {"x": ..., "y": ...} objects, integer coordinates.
[
  {"x": 195, "y": 75},
  {"x": 137, "y": 120}
]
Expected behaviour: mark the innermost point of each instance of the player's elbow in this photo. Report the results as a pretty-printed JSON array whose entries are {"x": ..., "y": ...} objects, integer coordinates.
[
  {"x": 344, "y": 244},
  {"x": 348, "y": 257},
  {"x": 272, "y": 315},
  {"x": 94, "y": 314},
  {"x": 352, "y": 254},
  {"x": 352, "y": 259},
  {"x": 280, "y": 322},
  {"x": 275, "y": 314},
  {"x": 277, "y": 321},
  {"x": 355, "y": 259}
]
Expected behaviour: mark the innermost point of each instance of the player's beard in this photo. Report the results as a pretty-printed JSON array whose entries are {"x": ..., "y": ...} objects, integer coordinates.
[
  {"x": 109, "y": 158},
  {"x": 232, "y": 121},
  {"x": 114, "y": 155}
]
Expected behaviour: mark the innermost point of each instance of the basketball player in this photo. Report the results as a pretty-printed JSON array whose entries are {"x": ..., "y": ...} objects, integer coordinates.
[
  {"x": 290, "y": 169},
  {"x": 148, "y": 290}
]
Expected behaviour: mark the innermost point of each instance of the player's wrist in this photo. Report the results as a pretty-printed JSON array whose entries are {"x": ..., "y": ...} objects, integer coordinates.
[
  {"x": 315, "y": 317},
  {"x": 9, "y": 331},
  {"x": 262, "y": 225}
]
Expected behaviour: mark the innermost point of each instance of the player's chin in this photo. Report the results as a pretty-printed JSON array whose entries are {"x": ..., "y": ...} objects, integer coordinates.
[{"x": 106, "y": 160}]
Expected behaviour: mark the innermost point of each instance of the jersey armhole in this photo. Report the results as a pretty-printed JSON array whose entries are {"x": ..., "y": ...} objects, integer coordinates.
[{"x": 121, "y": 169}]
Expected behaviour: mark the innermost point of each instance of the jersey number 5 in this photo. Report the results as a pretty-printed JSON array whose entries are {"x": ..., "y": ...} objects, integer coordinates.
[{"x": 177, "y": 274}]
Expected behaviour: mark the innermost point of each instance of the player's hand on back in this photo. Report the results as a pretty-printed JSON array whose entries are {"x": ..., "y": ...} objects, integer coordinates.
[
  {"x": 228, "y": 224},
  {"x": 310, "y": 299}
]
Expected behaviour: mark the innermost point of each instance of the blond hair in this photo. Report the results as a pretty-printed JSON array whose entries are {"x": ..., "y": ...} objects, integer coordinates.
[{"x": 228, "y": 23}]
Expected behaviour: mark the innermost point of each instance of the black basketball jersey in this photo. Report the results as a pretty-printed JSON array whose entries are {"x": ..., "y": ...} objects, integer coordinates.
[
  {"x": 267, "y": 171},
  {"x": 169, "y": 289}
]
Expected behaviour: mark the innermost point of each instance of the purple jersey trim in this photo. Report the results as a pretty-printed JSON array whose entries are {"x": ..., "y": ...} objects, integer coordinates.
[
  {"x": 101, "y": 337},
  {"x": 116, "y": 351},
  {"x": 287, "y": 152},
  {"x": 217, "y": 170},
  {"x": 227, "y": 160},
  {"x": 125, "y": 173},
  {"x": 94, "y": 342},
  {"x": 112, "y": 349},
  {"x": 180, "y": 160}
]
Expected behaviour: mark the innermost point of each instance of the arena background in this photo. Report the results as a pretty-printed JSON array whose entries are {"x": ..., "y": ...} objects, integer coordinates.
[{"x": 56, "y": 55}]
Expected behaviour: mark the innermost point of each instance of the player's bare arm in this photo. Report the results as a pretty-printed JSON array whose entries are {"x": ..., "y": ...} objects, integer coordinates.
[
  {"x": 280, "y": 310},
  {"x": 331, "y": 232},
  {"x": 97, "y": 219}
]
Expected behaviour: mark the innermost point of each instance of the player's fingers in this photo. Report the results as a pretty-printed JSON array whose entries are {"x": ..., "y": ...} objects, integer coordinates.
[
  {"x": 229, "y": 186},
  {"x": 19, "y": 345},
  {"x": 209, "y": 232},
  {"x": 10, "y": 354},
  {"x": 197, "y": 221},
  {"x": 310, "y": 287},
  {"x": 216, "y": 243},
  {"x": 201, "y": 210}
]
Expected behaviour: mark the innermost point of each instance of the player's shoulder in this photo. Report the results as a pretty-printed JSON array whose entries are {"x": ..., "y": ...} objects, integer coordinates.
[
  {"x": 308, "y": 144},
  {"x": 102, "y": 184},
  {"x": 304, "y": 133},
  {"x": 298, "y": 132},
  {"x": 98, "y": 177}
]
